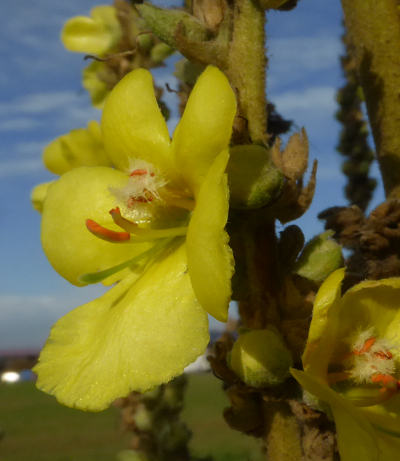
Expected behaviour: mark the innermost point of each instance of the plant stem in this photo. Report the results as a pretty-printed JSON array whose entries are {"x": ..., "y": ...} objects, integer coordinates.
[
  {"x": 247, "y": 64},
  {"x": 374, "y": 30}
]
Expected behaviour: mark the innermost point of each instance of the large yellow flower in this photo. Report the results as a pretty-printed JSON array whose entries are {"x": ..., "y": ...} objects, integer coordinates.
[
  {"x": 352, "y": 362},
  {"x": 156, "y": 223}
]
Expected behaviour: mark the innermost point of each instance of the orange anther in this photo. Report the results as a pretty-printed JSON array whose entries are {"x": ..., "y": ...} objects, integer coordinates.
[
  {"x": 387, "y": 381},
  {"x": 106, "y": 234},
  {"x": 138, "y": 172},
  {"x": 386, "y": 355},
  {"x": 366, "y": 347}
]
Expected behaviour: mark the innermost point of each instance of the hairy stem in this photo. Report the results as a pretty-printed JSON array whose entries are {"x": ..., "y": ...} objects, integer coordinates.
[
  {"x": 374, "y": 30},
  {"x": 247, "y": 64}
]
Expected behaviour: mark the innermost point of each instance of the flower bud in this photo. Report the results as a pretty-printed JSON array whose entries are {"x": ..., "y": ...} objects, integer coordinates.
[
  {"x": 261, "y": 358},
  {"x": 321, "y": 256},
  {"x": 253, "y": 179},
  {"x": 143, "y": 418},
  {"x": 160, "y": 52},
  {"x": 164, "y": 23}
]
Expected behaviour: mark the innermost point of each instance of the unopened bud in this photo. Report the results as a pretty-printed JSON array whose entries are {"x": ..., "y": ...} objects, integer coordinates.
[
  {"x": 260, "y": 358},
  {"x": 254, "y": 181},
  {"x": 164, "y": 23},
  {"x": 143, "y": 418},
  {"x": 321, "y": 256},
  {"x": 145, "y": 41},
  {"x": 160, "y": 52}
]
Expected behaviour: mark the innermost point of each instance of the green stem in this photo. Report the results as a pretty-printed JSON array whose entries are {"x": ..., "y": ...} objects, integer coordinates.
[
  {"x": 283, "y": 437},
  {"x": 374, "y": 30},
  {"x": 247, "y": 64}
]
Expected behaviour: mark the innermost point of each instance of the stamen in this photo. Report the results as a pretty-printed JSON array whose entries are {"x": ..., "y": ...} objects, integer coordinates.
[
  {"x": 128, "y": 226},
  {"x": 106, "y": 234},
  {"x": 145, "y": 234},
  {"x": 387, "y": 381},
  {"x": 385, "y": 355},
  {"x": 366, "y": 347},
  {"x": 139, "y": 172}
]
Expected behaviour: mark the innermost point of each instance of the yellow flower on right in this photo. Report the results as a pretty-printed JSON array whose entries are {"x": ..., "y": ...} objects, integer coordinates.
[{"x": 352, "y": 363}]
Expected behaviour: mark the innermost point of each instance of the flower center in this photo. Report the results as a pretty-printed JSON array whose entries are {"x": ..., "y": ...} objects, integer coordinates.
[
  {"x": 370, "y": 362},
  {"x": 145, "y": 197}
]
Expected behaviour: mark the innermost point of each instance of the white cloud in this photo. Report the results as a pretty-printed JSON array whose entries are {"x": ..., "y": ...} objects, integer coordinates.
[
  {"x": 314, "y": 99},
  {"x": 19, "y": 124},
  {"x": 20, "y": 167},
  {"x": 38, "y": 103},
  {"x": 304, "y": 53}
]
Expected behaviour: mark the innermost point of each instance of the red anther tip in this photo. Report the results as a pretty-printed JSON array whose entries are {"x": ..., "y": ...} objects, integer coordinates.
[
  {"x": 385, "y": 355},
  {"x": 115, "y": 210},
  {"x": 366, "y": 347},
  {"x": 138, "y": 172},
  {"x": 106, "y": 234}
]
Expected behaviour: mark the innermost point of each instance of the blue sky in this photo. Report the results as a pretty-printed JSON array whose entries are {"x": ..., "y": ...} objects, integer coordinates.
[{"x": 41, "y": 98}]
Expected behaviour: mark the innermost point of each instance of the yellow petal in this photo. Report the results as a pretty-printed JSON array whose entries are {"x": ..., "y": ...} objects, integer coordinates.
[
  {"x": 81, "y": 147},
  {"x": 38, "y": 195},
  {"x": 210, "y": 259},
  {"x": 134, "y": 337},
  {"x": 80, "y": 194},
  {"x": 94, "y": 35},
  {"x": 133, "y": 126},
  {"x": 323, "y": 325},
  {"x": 356, "y": 437},
  {"x": 206, "y": 126},
  {"x": 373, "y": 303}
]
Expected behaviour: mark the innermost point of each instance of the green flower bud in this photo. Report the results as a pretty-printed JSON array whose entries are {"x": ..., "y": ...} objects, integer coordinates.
[
  {"x": 160, "y": 52},
  {"x": 261, "y": 358},
  {"x": 145, "y": 41},
  {"x": 319, "y": 258},
  {"x": 143, "y": 418},
  {"x": 254, "y": 181},
  {"x": 164, "y": 23}
]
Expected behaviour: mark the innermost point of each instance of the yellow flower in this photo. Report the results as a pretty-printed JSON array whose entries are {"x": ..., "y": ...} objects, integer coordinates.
[
  {"x": 352, "y": 362},
  {"x": 97, "y": 34},
  {"x": 156, "y": 223}
]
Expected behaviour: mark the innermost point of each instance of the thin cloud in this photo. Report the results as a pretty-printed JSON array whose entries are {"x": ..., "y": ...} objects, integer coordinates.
[
  {"x": 19, "y": 124},
  {"x": 20, "y": 167},
  {"x": 314, "y": 99},
  {"x": 305, "y": 53}
]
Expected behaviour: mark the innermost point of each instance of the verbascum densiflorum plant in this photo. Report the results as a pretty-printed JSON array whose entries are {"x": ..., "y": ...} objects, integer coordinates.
[
  {"x": 155, "y": 224},
  {"x": 114, "y": 35},
  {"x": 352, "y": 363}
]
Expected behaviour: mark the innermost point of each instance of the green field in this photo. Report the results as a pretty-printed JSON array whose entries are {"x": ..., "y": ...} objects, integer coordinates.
[{"x": 37, "y": 428}]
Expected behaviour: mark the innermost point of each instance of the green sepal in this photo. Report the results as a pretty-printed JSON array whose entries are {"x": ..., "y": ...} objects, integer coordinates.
[
  {"x": 165, "y": 23},
  {"x": 319, "y": 258},
  {"x": 254, "y": 181}
]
